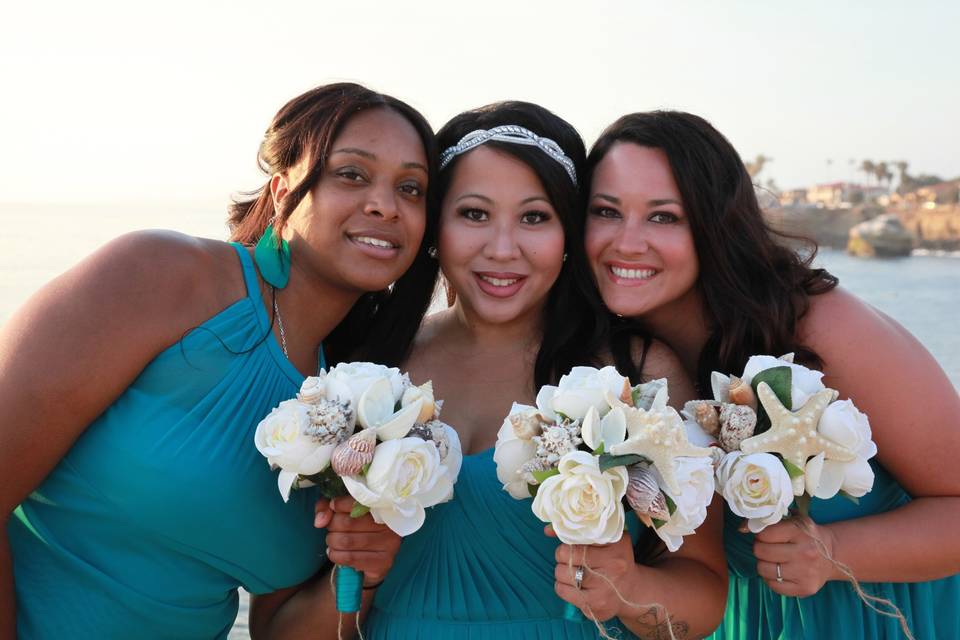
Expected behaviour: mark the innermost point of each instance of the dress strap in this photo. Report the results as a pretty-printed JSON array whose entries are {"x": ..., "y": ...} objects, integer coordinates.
[{"x": 249, "y": 271}]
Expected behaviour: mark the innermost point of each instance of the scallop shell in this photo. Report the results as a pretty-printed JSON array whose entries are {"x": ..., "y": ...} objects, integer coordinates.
[
  {"x": 350, "y": 457},
  {"x": 644, "y": 495},
  {"x": 737, "y": 423},
  {"x": 526, "y": 424},
  {"x": 706, "y": 416},
  {"x": 742, "y": 393}
]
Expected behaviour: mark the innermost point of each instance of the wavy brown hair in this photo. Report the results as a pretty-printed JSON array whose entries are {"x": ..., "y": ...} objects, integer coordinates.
[
  {"x": 381, "y": 325},
  {"x": 755, "y": 287}
]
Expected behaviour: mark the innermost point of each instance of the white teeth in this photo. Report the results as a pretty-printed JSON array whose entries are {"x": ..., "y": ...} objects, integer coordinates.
[
  {"x": 500, "y": 282},
  {"x": 376, "y": 242},
  {"x": 634, "y": 274}
]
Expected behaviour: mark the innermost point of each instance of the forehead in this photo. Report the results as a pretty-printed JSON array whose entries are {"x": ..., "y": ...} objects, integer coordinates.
[
  {"x": 493, "y": 172},
  {"x": 630, "y": 168},
  {"x": 381, "y": 130}
]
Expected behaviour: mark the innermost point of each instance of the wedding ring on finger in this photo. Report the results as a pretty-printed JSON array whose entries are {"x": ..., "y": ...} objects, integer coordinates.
[
  {"x": 779, "y": 574},
  {"x": 578, "y": 578}
]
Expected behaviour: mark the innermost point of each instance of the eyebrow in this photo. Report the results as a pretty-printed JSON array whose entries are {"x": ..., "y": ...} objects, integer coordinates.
[
  {"x": 651, "y": 203},
  {"x": 370, "y": 156},
  {"x": 490, "y": 200}
]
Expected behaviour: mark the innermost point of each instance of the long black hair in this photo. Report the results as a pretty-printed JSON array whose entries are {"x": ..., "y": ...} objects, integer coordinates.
[
  {"x": 755, "y": 288},
  {"x": 571, "y": 333},
  {"x": 381, "y": 325}
]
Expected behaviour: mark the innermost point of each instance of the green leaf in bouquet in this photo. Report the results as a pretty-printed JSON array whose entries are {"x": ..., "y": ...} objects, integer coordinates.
[
  {"x": 853, "y": 499},
  {"x": 329, "y": 483},
  {"x": 540, "y": 476},
  {"x": 563, "y": 417},
  {"x": 359, "y": 510},
  {"x": 671, "y": 505},
  {"x": 780, "y": 380},
  {"x": 608, "y": 460},
  {"x": 792, "y": 470},
  {"x": 533, "y": 488},
  {"x": 364, "y": 469},
  {"x": 658, "y": 523},
  {"x": 599, "y": 450}
]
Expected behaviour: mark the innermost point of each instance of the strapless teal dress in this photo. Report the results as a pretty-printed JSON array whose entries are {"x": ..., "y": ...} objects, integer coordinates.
[
  {"x": 480, "y": 568},
  {"x": 163, "y": 507},
  {"x": 754, "y": 612}
]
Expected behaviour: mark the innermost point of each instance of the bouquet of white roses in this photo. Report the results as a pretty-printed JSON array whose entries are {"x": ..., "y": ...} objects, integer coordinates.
[
  {"x": 786, "y": 437},
  {"x": 364, "y": 429},
  {"x": 594, "y": 440}
]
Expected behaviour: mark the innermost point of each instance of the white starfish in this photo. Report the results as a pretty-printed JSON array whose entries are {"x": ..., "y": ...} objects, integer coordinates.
[
  {"x": 794, "y": 435},
  {"x": 658, "y": 436}
]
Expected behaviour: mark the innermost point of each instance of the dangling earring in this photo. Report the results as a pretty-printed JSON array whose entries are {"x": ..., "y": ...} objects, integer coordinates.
[
  {"x": 432, "y": 252},
  {"x": 272, "y": 255}
]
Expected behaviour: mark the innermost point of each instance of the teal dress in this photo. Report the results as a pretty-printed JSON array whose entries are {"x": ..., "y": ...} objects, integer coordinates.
[
  {"x": 163, "y": 506},
  {"x": 754, "y": 612},
  {"x": 480, "y": 568}
]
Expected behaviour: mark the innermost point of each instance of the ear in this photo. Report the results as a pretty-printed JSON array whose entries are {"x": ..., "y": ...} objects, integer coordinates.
[{"x": 279, "y": 187}]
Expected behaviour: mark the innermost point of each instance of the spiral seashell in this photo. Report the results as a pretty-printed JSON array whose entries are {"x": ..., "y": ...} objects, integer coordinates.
[
  {"x": 626, "y": 394},
  {"x": 350, "y": 457},
  {"x": 424, "y": 391},
  {"x": 706, "y": 416},
  {"x": 526, "y": 425},
  {"x": 741, "y": 393},
  {"x": 737, "y": 423},
  {"x": 644, "y": 495},
  {"x": 312, "y": 391}
]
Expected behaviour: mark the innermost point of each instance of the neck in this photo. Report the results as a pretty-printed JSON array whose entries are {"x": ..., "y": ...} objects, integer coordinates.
[
  {"x": 684, "y": 328},
  {"x": 475, "y": 335}
]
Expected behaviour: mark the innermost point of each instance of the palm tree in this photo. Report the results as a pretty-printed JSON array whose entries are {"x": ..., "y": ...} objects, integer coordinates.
[
  {"x": 868, "y": 168},
  {"x": 754, "y": 168}
]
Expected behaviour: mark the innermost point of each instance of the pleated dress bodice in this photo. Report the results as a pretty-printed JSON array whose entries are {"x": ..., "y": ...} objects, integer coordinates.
[
  {"x": 163, "y": 507},
  {"x": 754, "y": 612},
  {"x": 479, "y": 568}
]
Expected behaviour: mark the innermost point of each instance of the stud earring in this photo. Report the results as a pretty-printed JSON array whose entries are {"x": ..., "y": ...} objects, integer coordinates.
[
  {"x": 564, "y": 257},
  {"x": 432, "y": 252}
]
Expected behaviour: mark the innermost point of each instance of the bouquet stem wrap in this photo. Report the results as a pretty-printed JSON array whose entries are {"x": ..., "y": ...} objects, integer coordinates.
[{"x": 349, "y": 589}]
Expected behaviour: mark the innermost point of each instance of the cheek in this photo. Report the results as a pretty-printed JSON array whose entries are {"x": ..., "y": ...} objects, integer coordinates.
[
  {"x": 547, "y": 250},
  {"x": 595, "y": 239}
]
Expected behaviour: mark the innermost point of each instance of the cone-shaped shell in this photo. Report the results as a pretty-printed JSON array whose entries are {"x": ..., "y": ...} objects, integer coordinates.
[
  {"x": 424, "y": 391},
  {"x": 741, "y": 393},
  {"x": 737, "y": 423},
  {"x": 644, "y": 495},
  {"x": 313, "y": 390},
  {"x": 349, "y": 457},
  {"x": 706, "y": 416}
]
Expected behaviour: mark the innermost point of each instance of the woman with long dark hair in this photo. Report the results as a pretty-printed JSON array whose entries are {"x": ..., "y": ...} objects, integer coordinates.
[
  {"x": 677, "y": 243},
  {"x": 521, "y": 314},
  {"x": 134, "y": 502}
]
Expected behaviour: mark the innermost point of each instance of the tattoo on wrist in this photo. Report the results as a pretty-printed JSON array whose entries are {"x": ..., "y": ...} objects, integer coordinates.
[{"x": 652, "y": 628}]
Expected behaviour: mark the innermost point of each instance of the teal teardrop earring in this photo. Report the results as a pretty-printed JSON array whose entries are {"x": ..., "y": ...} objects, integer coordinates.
[{"x": 272, "y": 255}]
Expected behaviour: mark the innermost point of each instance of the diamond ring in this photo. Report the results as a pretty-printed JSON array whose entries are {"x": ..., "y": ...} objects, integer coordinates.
[{"x": 578, "y": 577}]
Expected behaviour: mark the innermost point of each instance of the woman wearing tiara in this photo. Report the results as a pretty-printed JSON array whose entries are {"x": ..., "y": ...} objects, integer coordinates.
[
  {"x": 521, "y": 314},
  {"x": 134, "y": 503}
]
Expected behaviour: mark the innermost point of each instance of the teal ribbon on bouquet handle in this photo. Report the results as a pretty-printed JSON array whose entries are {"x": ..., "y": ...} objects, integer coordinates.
[
  {"x": 349, "y": 587},
  {"x": 572, "y": 613}
]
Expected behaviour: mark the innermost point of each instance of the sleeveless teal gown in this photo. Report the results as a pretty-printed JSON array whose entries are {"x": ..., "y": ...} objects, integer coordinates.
[
  {"x": 754, "y": 612},
  {"x": 480, "y": 568},
  {"x": 163, "y": 507}
]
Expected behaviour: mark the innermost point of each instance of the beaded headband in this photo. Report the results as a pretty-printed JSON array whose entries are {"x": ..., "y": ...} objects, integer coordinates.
[{"x": 514, "y": 134}]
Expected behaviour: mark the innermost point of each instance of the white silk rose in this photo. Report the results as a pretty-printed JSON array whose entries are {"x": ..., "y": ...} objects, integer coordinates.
[
  {"x": 583, "y": 504},
  {"x": 695, "y": 477},
  {"x": 284, "y": 438},
  {"x": 582, "y": 388},
  {"x": 843, "y": 423},
  {"x": 512, "y": 452},
  {"x": 804, "y": 382},
  {"x": 405, "y": 476},
  {"x": 359, "y": 376},
  {"x": 756, "y": 487}
]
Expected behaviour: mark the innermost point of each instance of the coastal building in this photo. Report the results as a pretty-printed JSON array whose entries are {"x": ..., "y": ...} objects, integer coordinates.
[{"x": 844, "y": 194}]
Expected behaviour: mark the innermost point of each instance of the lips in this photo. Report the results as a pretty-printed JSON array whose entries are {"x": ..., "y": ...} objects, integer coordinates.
[
  {"x": 378, "y": 245},
  {"x": 631, "y": 274},
  {"x": 499, "y": 284}
]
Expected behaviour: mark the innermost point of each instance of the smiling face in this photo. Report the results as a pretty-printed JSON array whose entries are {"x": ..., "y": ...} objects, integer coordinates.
[
  {"x": 360, "y": 227},
  {"x": 501, "y": 242},
  {"x": 638, "y": 239}
]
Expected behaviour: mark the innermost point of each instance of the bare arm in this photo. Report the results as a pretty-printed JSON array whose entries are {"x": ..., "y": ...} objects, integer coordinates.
[{"x": 74, "y": 347}]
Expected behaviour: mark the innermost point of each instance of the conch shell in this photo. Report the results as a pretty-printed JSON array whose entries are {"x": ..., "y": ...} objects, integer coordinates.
[
  {"x": 424, "y": 391},
  {"x": 350, "y": 457},
  {"x": 737, "y": 423},
  {"x": 741, "y": 393},
  {"x": 526, "y": 424},
  {"x": 644, "y": 495}
]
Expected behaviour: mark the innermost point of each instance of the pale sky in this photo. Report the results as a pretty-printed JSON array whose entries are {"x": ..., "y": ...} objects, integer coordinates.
[{"x": 109, "y": 101}]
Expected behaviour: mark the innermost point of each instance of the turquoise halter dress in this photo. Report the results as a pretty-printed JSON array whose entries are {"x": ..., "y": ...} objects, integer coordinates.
[
  {"x": 480, "y": 568},
  {"x": 163, "y": 506},
  {"x": 754, "y": 612}
]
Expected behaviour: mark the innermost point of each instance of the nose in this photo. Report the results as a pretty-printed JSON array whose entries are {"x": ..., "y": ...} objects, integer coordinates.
[
  {"x": 502, "y": 243},
  {"x": 382, "y": 202},
  {"x": 633, "y": 238}
]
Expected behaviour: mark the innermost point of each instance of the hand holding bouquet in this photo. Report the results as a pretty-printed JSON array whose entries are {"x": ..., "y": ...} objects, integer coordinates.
[{"x": 364, "y": 429}]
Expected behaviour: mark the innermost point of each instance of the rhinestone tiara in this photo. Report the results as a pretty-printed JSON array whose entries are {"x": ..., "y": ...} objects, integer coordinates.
[{"x": 514, "y": 134}]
